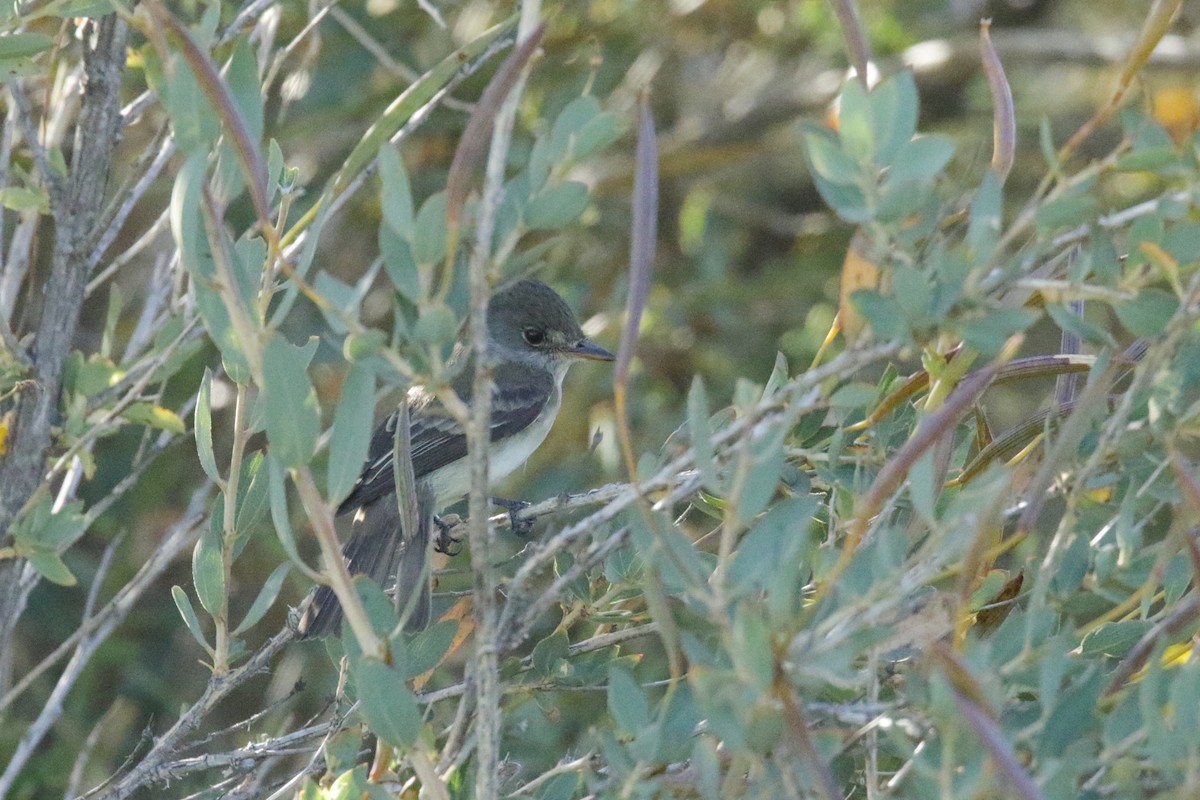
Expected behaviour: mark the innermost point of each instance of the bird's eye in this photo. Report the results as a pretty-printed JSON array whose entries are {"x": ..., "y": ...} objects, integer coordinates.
[{"x": 533, "y": 336}]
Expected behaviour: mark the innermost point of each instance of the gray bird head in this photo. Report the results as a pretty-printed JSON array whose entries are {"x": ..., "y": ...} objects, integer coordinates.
[{"x": 529, "y": 323}]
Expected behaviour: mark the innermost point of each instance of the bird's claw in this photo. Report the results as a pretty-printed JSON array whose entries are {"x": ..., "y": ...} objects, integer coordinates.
[
  {"x": 446, "y": 542},
  {"x": 521, "y": 527}
]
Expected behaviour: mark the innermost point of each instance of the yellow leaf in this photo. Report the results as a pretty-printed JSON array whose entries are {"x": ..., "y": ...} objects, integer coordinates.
[
  {"x": 155, "y": 417},
  {"x": 858, "y": 272},
  {"x": 1176, "y": 109}
]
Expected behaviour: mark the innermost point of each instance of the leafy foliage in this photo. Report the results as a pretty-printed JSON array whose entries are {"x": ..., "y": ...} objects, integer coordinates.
[{"x": 852, "y": 570}]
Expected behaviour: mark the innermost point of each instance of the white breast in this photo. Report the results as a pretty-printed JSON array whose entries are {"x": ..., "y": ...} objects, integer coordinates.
[{"x": 453, "y": 481}]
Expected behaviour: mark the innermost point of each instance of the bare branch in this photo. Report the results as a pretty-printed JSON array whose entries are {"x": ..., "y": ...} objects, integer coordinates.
[{"x": 75, "y": 212}]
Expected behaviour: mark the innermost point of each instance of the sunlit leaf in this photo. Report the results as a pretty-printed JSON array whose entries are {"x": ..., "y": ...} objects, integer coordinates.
[{"x": 155, "y": 417}]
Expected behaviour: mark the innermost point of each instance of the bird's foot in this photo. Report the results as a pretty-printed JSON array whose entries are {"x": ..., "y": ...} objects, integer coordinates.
[
  {"x": 447, "y": 543},
  {"x": 521, "y": 527}
]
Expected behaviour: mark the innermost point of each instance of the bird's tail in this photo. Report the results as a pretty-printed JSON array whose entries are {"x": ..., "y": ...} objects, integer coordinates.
[{"x": 379, "y": 549}]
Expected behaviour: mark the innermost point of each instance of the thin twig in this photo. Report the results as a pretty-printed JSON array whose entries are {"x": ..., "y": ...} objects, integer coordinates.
[
  {"x": 94, "y": 632},
  {"x": 152, "y": 768}
]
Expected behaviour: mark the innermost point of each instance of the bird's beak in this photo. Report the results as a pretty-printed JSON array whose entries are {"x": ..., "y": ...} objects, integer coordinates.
[{"x": 588, "y": 349}]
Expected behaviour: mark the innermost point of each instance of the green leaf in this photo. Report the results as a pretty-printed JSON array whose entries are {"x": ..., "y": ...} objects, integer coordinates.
[
  {"x": 626, "y": 701},
  {"x": 275, "y": 165},
  {"x": 921, "y": 159},
  {"x": 922, "y": 487},
  {"x": 361, "y": 346},
  {"x": 854, "y": 122},
  {"x": 290, "y": 404},
  {"x": 241, "y": 76},
  {"x": 252, "y": 500},
  {"x": 1070, "y": 322},
  {"x": 50, "y": 566},
  {"x": 203, "y": 421},
  {"x": 1046, "y": 143},
  {"x": 1114, "y": 639},
  {"x": 395, "y": 195},
  {"x": 424, "y": 650},
  {"x": 1184, "y": 701},
  {"x": 92, "y": 376},
  {"x": 894, "y": 108},
  {"x": 111, "y": 317},
  {"x": 12, "y": 68},
  {"x": 1150, "y": 159},
  {"x": 429, "y": 238},
  {"x": 600, "y": 131},
  {"x": 1074, "y": 713},
  {"x": 774, "y": 544},
  {"x": 886, "y": 318},
  {"x": 548, "y": 653},
  {"x": 400, "y": 265},
  {"x": 563, "y": 786},
  {"x": 351, "y": 435},
  {"x": 764, "y": 728},
  {"x": 154, "y": 416},
  {"x": 1147, "y": 314},
  {"x": 826, "y": 158},
  {"x": 187, "y": 226},
  {"x": 556, "y": 206},
  {"x": 24, "y": 45},
  {"x": 189, "y": 616},
  {"x": 279, "y": 510},
  {"x": 1182, "y": 240},
  {"x": 386, "y": 703},
  {"x": 43, "y": 529},
  {"x": 19, "y": 198},
  {"x": 988, "y": 333},
  {"x": 437, "y": 325},
  {"x": 569, "y": 122},
  {"x": 249, "y": 260},
  {"x": 512, "y": 207},
  {"x": 1144, "y": 229},
  {"x": 847, "y": 200},
  {"x": 854, "y": 395},
  {"x": 208, "y": 566},
  {"x": 381, "y": 611},
  {"x": 538, "y": 170},
  {"x": 266, "y": 598},
  {"x": 707, "y": 764},
  {"x": 701, "y": 433},
  {"x": 983, "y": 231},
  {"x": 341, "y": 296},
  {"x": 1066, "y": 212},
  {"x": 912, "y": 289},
  {"x": 356, "y": 785},
  {"x": 341, "y": 751},
  {"x": 762, "y": 479},
  {"x": 191, "y": 114},
  {"x": 751, "y": 648},
  {"x": 622, "y": 565},
  {"x": 1176, "y": 580}
]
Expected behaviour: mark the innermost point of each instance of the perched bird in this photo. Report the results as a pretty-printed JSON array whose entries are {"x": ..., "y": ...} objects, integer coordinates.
[{"x": 533, "y": 338}]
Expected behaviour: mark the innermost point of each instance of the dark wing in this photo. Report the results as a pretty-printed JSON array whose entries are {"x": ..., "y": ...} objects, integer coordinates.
[{"x": 437, "y": 438}]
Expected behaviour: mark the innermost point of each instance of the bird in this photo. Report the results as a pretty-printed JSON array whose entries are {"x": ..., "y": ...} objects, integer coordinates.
[{"x": 533, "y": 339}]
